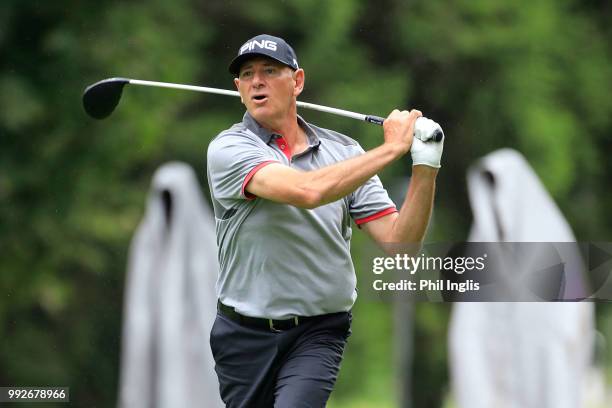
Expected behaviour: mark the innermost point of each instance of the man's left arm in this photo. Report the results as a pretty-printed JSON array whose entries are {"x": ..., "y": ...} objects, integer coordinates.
[{"x": 410, "y": 224}]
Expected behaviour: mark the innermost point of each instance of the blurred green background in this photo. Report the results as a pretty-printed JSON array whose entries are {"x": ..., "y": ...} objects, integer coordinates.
[{"x": 532, "y": 75}]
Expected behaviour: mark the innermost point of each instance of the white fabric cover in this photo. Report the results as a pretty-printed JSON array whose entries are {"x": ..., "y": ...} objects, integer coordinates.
[
  {"x": 518, "y": 355},
  {"x": 170, "y": 302}
]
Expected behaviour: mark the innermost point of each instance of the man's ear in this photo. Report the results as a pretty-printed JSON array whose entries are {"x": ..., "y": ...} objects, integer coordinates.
[
  {"x": 299, "y": 77},
  {"x": 237, "y": 82}
]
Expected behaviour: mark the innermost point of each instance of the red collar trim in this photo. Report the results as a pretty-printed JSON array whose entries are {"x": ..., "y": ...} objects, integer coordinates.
[{"x": 284, "y": 147}]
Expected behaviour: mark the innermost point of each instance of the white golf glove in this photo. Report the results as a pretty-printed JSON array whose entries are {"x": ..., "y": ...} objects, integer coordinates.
[{"x": 424, "y": 150}]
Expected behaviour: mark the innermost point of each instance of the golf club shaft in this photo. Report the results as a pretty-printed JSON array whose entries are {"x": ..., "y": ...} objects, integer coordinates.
[
  {"x": 359, "y": 116},
  {"x": 185, "y": 87}
]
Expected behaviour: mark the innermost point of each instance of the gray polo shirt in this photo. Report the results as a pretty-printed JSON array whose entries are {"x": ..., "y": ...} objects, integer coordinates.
[{"x": 279, "y": 261}]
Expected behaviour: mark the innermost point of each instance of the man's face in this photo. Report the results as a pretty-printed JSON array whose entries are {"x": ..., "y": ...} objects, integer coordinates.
[{"x": 268, "y": 88}]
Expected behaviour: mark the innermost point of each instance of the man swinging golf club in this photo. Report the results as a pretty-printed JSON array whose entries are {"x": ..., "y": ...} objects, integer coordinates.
[{"x": 284, "y": 192}]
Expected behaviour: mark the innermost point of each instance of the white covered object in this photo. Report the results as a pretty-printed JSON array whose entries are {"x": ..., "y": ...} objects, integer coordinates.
[
  {"x": 518, "y": 355},
  {"x": 170, "y": 302}
]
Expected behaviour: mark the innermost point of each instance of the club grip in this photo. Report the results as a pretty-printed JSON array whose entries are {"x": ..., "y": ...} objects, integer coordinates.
[
  {"x": 438, "y": 135},
  {"x": 377, "y": 120}
]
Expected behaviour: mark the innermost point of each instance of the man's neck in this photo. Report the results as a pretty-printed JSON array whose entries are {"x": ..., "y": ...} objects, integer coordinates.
[{"x": 290, "y": 130}]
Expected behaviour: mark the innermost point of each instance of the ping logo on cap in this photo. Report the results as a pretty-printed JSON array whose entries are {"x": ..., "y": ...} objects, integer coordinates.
[{"x": 266, "y": 44}]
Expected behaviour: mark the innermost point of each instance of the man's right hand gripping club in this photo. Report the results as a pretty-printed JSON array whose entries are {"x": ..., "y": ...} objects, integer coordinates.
[{"x": 412, "y": 131}]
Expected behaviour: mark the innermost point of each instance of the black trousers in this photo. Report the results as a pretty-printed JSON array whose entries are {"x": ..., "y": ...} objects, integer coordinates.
[{"x": 259, "y": 368}]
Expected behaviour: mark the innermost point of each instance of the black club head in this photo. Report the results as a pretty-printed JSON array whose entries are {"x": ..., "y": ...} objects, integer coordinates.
[{"x": 101, "y": 98}]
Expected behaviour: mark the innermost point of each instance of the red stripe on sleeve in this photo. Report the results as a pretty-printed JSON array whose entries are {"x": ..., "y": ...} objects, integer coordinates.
[
  {"x": 372, "y": 217},
  {"x": 249, "y": 176}
]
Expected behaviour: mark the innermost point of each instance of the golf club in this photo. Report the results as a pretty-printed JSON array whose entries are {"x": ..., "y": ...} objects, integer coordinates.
[{"x": 101, "y": 99}]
